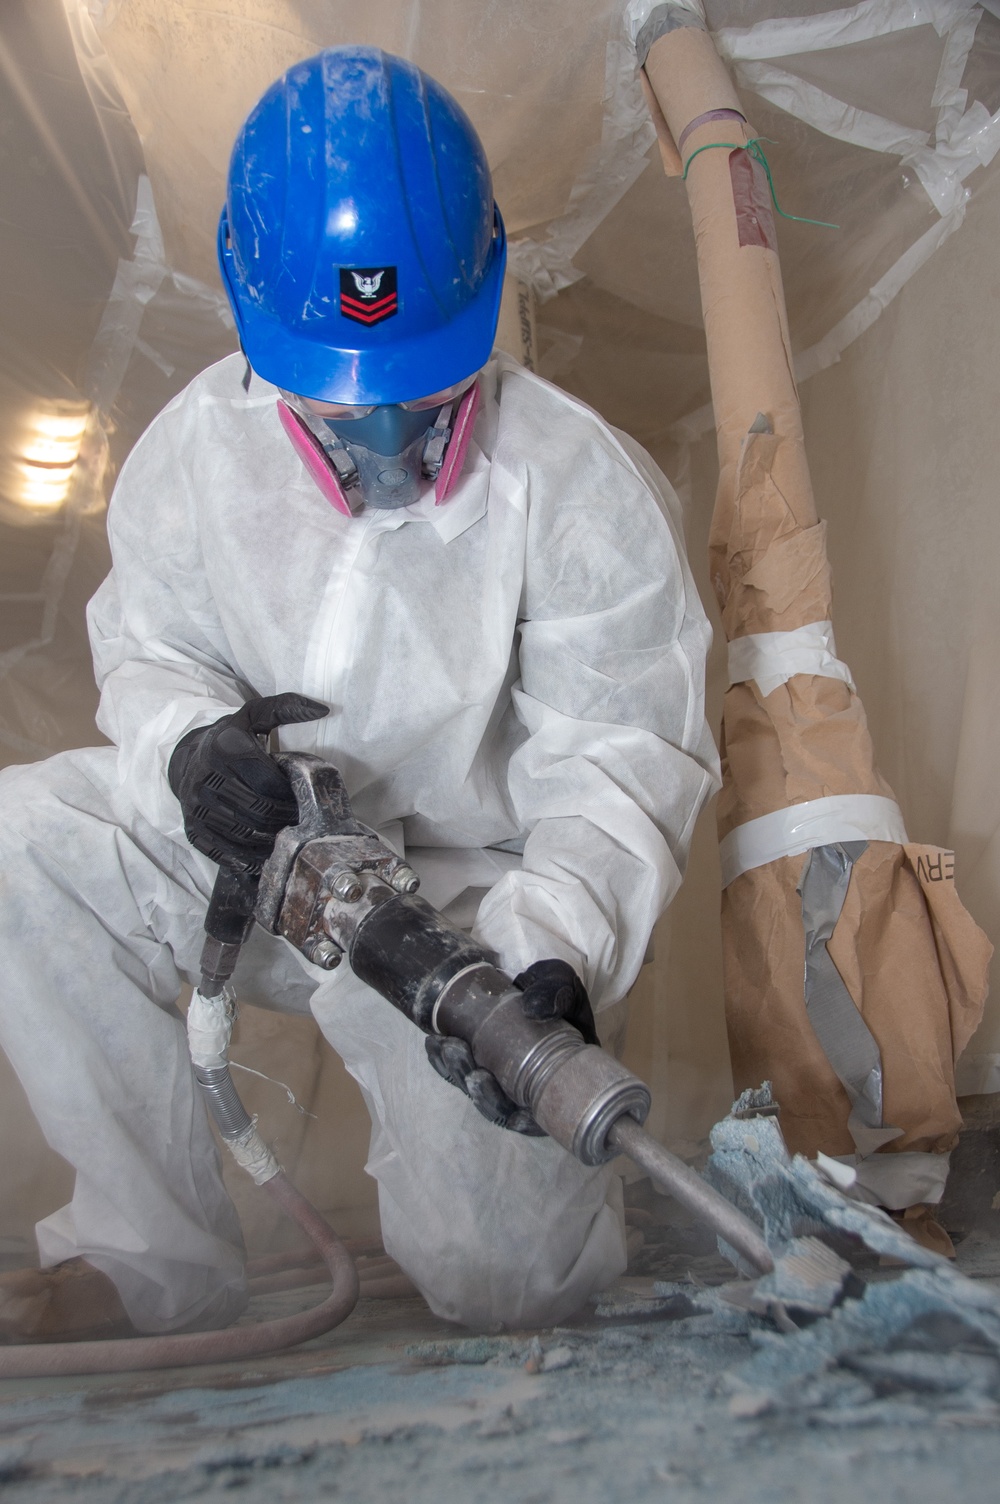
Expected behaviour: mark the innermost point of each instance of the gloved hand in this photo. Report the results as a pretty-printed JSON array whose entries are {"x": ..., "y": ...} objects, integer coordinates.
[
  {"x": 234, "y": 797},
  {"x": 550, "y": 989}
]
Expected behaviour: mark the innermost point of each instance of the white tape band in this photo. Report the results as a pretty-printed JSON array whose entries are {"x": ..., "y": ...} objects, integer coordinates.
[
  {"x": 826, "y": 113},
  {"x": 772, "y": 658},
  {"x": 250, "y": 1151},
  {"x": 817, "y": 822},
  {"x": 209, "y": 1024},
  {"x": 782, "y": 36}
]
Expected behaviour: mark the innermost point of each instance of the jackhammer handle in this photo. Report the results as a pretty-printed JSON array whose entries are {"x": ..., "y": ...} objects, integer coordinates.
[
  {"x": 228, "y": 922},
  {"x": 231, "y": 906}
]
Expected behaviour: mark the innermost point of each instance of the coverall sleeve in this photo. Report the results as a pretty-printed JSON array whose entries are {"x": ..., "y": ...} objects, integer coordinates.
[
  {"x": 161, "y": 659},
  {"x": 618, "y": 760}
]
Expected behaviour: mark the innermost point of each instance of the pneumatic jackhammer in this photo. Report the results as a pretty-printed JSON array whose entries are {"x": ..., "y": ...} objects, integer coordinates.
[{"x": 336, "y": 891}]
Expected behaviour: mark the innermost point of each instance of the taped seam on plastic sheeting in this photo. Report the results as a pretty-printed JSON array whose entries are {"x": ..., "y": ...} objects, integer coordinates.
[
  {"x": 783, "y": 36},
  {"x": 963, "y": 141},
  {"x": 664, "y": 19},
  {"x": 828, "y": 114},
  {"x": 848, "y": 1043},
  {"x": 949, "y": 98},
  {"x": 772, "y": 658},
  {"x": 894, "y": 1180},
  {"x": 136, "y": 283},
  {"x": 973, "y": 142},
  {"x": 827, "y": 351},
  {"x": 800, "y": 827}
]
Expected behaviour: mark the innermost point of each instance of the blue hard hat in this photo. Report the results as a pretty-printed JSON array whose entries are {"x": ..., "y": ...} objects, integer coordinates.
[{"x": 360, "y": 245}]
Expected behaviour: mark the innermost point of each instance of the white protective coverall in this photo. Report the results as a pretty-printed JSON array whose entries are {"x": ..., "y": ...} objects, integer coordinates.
[{"x": 522, "y": 666}]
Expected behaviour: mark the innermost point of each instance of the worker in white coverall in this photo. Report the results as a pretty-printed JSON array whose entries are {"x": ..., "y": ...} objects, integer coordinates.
[{"x": 471, "y": 595}]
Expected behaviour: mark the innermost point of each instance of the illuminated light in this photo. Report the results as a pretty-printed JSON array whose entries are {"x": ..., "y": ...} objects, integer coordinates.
[
  {"x": 48, "y": 455},
  {"x": 45, "y": 491},
  {"x": 56, "y": 440}
]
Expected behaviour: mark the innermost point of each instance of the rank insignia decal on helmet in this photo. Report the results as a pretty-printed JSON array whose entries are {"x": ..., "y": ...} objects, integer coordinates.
[{"x": 368, "y": 293}]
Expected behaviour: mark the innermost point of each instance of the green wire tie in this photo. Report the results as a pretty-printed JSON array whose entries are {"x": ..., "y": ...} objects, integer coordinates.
[{"x": 755, "y": 149}]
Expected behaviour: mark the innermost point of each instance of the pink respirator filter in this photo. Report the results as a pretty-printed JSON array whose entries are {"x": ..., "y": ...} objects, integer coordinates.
[
  {"x": 319, "y": 465},
  {"x": 312, "y": 454},
  {"x": 458, "y": 445}
]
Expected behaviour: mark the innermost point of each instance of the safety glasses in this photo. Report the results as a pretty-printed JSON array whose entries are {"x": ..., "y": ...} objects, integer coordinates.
[{"x": 311, "y": 408}]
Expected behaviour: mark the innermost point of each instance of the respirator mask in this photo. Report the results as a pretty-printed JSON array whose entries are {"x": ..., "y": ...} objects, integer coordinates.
[{"x": 379, "y": 456}]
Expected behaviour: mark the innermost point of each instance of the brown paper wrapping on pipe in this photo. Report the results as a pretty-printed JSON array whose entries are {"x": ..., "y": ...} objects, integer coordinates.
[{"x": 910, "y": 956}]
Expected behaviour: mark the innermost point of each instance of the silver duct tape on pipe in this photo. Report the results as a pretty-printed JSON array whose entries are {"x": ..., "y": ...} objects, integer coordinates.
[
  {"x": 847, "y": 1041},
  {"x": 662, "y": 19},
  {"x": 209, "y": 1026}
]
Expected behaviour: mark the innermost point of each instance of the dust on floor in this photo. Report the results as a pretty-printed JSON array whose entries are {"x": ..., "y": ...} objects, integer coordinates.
[{"x": 645, "y": 1398}]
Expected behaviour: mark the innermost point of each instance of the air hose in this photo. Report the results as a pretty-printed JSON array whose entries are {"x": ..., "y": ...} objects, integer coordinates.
[
  {"x": 209, "y": 1025},
  {"x": 211, "y": 1015},
  {"x": 182, "y": 1350}
]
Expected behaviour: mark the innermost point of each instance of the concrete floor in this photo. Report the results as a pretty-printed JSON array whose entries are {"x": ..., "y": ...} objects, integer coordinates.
[{"x": 639, "y": 1399}]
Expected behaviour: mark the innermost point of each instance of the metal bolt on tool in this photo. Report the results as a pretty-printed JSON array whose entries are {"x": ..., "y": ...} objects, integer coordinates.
[
  {"x": 326, "y": 954},
  {"x": 347, "y": 885}
]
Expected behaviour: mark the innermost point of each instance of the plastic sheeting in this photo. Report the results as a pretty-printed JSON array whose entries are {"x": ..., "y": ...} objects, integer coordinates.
[{"x": 115, "y": 126}]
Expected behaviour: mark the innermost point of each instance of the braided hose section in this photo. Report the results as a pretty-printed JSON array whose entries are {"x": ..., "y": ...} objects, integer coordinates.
[{"x": 185, "y": 1349}]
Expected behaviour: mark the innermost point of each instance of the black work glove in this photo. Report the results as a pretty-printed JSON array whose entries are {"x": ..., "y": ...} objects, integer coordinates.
[
  {"x": 234, "y": 797},
  {"x": 551, "y": 989}
]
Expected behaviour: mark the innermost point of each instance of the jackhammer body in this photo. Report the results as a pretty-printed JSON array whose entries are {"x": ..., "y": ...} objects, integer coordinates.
[{"x": 332, "y": 889}]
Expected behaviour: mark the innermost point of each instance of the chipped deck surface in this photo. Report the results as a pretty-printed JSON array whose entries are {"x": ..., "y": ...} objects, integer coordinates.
[{"x": 637, "y": 1404}]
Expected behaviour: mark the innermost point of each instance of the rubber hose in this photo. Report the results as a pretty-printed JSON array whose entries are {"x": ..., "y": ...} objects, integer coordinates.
[{"x": 179, "y": 1350}]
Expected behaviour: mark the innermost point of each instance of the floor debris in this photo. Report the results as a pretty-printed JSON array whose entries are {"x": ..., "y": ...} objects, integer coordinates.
[
  {"x": 832, "y": 1376},
  {"x": 846, "y": 1342}
]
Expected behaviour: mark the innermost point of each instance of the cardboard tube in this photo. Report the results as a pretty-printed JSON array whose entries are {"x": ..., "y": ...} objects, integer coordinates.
[
  {"x": 912, "y": 960},
  {"x": 746, "y": 326}
]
